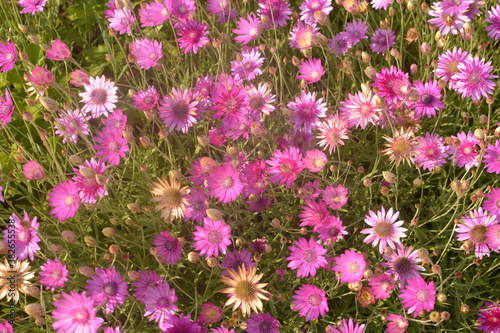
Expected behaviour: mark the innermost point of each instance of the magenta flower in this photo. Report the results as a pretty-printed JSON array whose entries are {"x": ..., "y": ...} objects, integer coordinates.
[
  {"x": 339, "y": 44},
  {"x": 382, "y": 40},
  {"x": 392, "y": 84},
  {"x": 178, "y": 110},
  {"x": 159, "y": 301},
  {"x": 429, "y": 99},
  {"x": 402, "y": 263},
  {"x": 65, "y": 200},
  {"x": 260, "y": 99},
  {"x": 310, "y": 301},
  {"x": 33, "y": 170},
  {"x": 249, "y": 66},
  {"x": 492, "y": 203},
  {"x": 381, "y": 286},
  {"x": 71, "y": 124},
  {"x": 122, "y": 20},
  {"x": 492, "y": 158},
  {"x": 315, "y": 160},
  {"x": 41, "y": 76},
  {"x": 180, "y": 9},
  {"x": 467, "y": 153},
  {"x": 331, "y": 230},
  {"x": 75, "y": 312},
  {"x": 448, "y": 64},
  {"x": 335, "y": 197},
  {"x": 210, "y": 314},
  {"x": 278, "y": 12},
  {"x": 146, "y": 279},
  {"x": 8, "y": 56},
  {"x": 58, "y": 51},
  {"x": 147, "y": 52},
  {"x": 311, "y": 70},
  {"x": 153, "y": 14},
  {"x": 25, "y": 237},
  {"x": 100, "y": 96},
  {"x": 493, "y": 18},
  {"x": 180, "y": 324},
  {"x": 444, "y": 22},
  {"x": 234, "y": 259},
  {"x": 6, "y": 109},
  {"x": 489, "y": 318},
  {"x": 474, "y": 227},
  {"x": 379, "y": 4},
  {"x": 262, "y": 322},
  {"x": 307, "y": 256},
  {"x": 331, "y": 132},
  {"x": 309, "y": 8},
  {"x": 314, "y": 213},
  {"x": 146, "y": 99},
  {"x": 229, "y": 98},
  {"x": 361, "y": 109},
  {"x": 224, "y": 183},
  {"x": 431, "y": 151},
  {"x": 53, "y": 274},
  {"x": 397, "y": 323},
  {"x": 201, "y": 169},
  {"x": 248, "y": 29},
  {"x": 225, "y": 10},
  {"x": 6, "y": 327},
  {"x": 418, "y": 295},
  {"x": 474, "y": 78},
  {"x": 384, "y": 230},
  {"x": 212, "y": 238},
  {"x": 31, "y": 6},
  {"x": 108, "y": 287},
  {"x": 285, "y": 166},
  {"x": 116, "y": 121},
  {"x": 88, "y": 187},
  {"x": 351, "y": 265},
  {"x": 307, "y": 111},
  {"x": 493, "y": 237},
  {"x": 167, "y": 247},
  {"x": 301, "y": 36},
  {"x": 193, "y": 36},
  {"x": 347, "y": 326},
  {"x": 197, "y": 204},
  {"x": 112, "y": 146},
  {"x": 355, "y": 31},
  {"x": 453, "y": 7}
]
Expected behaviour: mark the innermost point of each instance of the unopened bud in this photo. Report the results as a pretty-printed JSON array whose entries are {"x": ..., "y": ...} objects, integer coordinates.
[
  {"x": 214, "y": 214},
  {"x": 193, "y": 257},
  {"x": 108, "y": 232},
  {"x": 86, "y": 271},
  {"x": 90, "y": 241},
  {"x": 68, "y": 236},
  {"x": 49, "y": 104}
]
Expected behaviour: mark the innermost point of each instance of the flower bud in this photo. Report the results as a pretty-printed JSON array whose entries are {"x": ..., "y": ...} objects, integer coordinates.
[
  {"x": 214, "y": 214},
  {"x": 108, "y": 232},
  {"x": 34, "y": 310},
  {"x": 68, "y": 236},
  {"x": 90, "y": 241},
  {"x": 193, "y": 257},
  {"x": 86, "y": 271}
]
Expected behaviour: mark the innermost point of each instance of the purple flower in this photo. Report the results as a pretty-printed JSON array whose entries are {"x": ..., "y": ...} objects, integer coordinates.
[
  {"x": 307, "y": 256},
  {"x": 493, "y": 18},
  {"x": 382, "y": 40},
  {"x": 6, "y": 108},
  {"x": 108, "y": 287},
  {"x": 474, "y": 78}
]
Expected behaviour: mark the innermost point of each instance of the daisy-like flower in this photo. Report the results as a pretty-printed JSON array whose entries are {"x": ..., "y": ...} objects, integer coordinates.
[
  {"x": 31, "y": 6},
  {"x": 307, "y": 256},
  {"x": 381, "y": 286},
  {"x": 402, "y": 263},
  {"x": 122, "y": 20},
  {"x": 192, "y": 36},
  {"x": 428, "y": 99},
  {"x": 489, "y": 318},
  {"x": 431, "y": 151},
  {"x": 6, "y": 327},
  {"x": 249, "y": 66},
  {"x": 335, "y": 197},
  {"x": 347, "y": 326},
  {"x": 108, "y": 287},
  {"x": 444, "y": 22},
  {"x": 474, "y": 78},
  {"x": 379, "y": 4},
  {"x": 382, "y": 40},
  {"x": 75, "y": 312},
  {"x": 14, "y": 271},
  {"x": 111, "y": 145},
  {"x": 33, "y": 170},
  {"x": 454, "y": 7},
  {"x": 331, "y": 132},
  {"x": 466, "y": 154},
  {"x": 285, "y": 166},
  {"x": 277, "y": 11},
  {"x": 351, "y": 265},
  {"x": 401, "y": 147},
  {"x": 492, "y": 203},
  {"x": 100, "y": 96},
  {"x": 331, "y": 230},
  {"x": 86, "y": 182},
  {"x": 71, "y": 124},
  {"x": 310, "y": 301},
  {"x": 180, "y": 9},
  {"x": 311, "y": 70},
  {"x": 53, "y": 274},
  {"x": 474, "y": 227},
  {"x": 146, "y": 52},
  {"x": 153, "y": 14},
  {"x": 315, "y": 160},
  {"x": 262, "y": 323},
  {"x": 260, "y": 100},
  {"x": 493, "y": 18},
  {"x": 8, "y": 56},
  {"x": 235, "y": 259},
  {"x": 392, "y": 84},
  {"x": 385, "y": 230},
  {"x": 25, "y": 237},
  {"x": 210, "y": 314},
  {"x": 355, "y": 31},
  {"x": 225, "y": 10},
  {"x": 58, "y": 51},
  {"x": 310, "y": 8},
  {"x": 339, "y": 44},
  {"x": 212, "y": 238},
  {"x": 314, "y": 213},
  {"x": 307, "y": 111},
  {"x": 248, "y": 29},
  {"x": 6, "y": 109},
  {"x": 146, "y": 99},
  {"x": 146, "y": 279},
  {"x": 244, "y": 290},
  {"x": 159, "y": 301},
  {"x": 493, "y": 237},
  {"x": 418, "y": 295},
  {"x": 197, "y": 204},
  {"x": 178, "y": 110},
  {"x": 116, "y": 121},
  {"x": 171, "y": 197},
  {"x": 447, "y": 65},
  {"x": 168, "y": 247},
  {"x": 396, "y": 324},
  {"x": 301, "y": 36},
  {"x": 361, "y": 109},
  {"x": 181, "y": 324},
  {"x": 224, "y": 183},
  {"x": 229, "y": 99},
  {"x": 65, "y": 200},
  {"x": 492, "y": 158}
]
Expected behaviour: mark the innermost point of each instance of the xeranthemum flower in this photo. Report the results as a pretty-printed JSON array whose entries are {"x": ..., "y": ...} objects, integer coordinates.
[
  {"x": 467, "y": 153},
  {"x": 147, "y": 52},
  {"x": 311, "y": 8},
  {"x": 71, "y": 124},
  {"x": 100, "y": 96},
  {"x": 475, "y": 225},
  {"x": 335, "y": 197},
  {"x": 285, "y": 166},
  {"x": 401, "y": 147},
  {"x": 402, "y": 263},
  {"x": 418, "y": 295},
  {"x": 31, "y": 6},
  {"x": 331, "y": 132},
  {"x": 381, "y": 286},
  {"x": 448, "y": 64},
  {"x": 75, "y": 312},
  {"x": 361, "y": 109},
  {"x": 307, "y": 256},
  {"x": 352, "y": 266},
  {"x": 213, "y": 237},
  {"x": 393, "y": 84},
  {"x": 249, "y": 29},
  {"x": 108, "y": 287},
  {"x": 146, "y": 99},
  {"x": 262, "y": 323},
  {"x": 180, "y": 324},
  {"x": 493, "y": 18},
  {"x": 88, "y": 187},
  {"x": 384, "y": 230},
  {"x": 178, "y": 110},
  {"x": 6, "y": 108},
  {"x": 307, "y": 111},
  {"x": 428, "y": 101},
  {"x": 146, "y": 279},
  {"x": 53, "y": 274},
  {"x": 311, "y": 70},
  {"x": 382, "y": 40},
  {"x": 315, "y": 160},
  {"x": 168, "y": 247},
  {"x": 65, "y": 200},
  {"x": 224, "y": 183},
  {"x": 159, "y": 301},
  {"x": 310, "y": 301},
  {"x": 347, "y": 326},
  {"x": 492, "y": 158},
  {"x": 492, "y": 203},
  {"x": 431, "y": 151},
  {"x": 223, "y": 9},
  {"x": 8, "y": 56},
  {"x": 112, "y": 146},
  {"x": 489, "y": 318},
  {"x": 474, "y": 78},
  {"x": 397, "y": 323},
  {"x": 122, "y": 20},
  {"x": 153, "y": 14},
  {"x": 444, "y": 22},
  {"x": 193, "y": 36},
  {"x": 302, "y": 36},
  {"x": 25, "y": 237},
  {"x": 172, "y": 197},
  {"x": 249, "y": 66}
]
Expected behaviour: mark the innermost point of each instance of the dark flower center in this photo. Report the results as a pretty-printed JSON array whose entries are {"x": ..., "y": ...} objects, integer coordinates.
[
  {"x": 383, "y": 229},
  {"x": 402, "y": 266},
  {"x": 477, "y": 234},
  {"x": 426, "y": 98},
  {"x": 110, "y": 289},
  {"x": 180, "y": 110},
  {"x": 314, "y": 299},
  {"x": 265, "y": 327},
  {"x": 99, "y": 96},
  {"x": 244, "y": 291},
  {"x": 170, "y": 245}
]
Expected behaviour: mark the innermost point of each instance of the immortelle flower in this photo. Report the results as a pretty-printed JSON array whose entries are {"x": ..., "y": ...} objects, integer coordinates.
[
  {"x": 418, "y": 295},
  {"x": 447, "y": 65},
  {"x": 121, "y": 20},
  {"x": 6, "y": 327},
  {"x": 392, "y": 84},
  {"x": 70, "y": 124},
  {"x": 65, "y": 200},
  {"x": 75, "y": 312},
  {"x": 193, "y": 36},
  {"x": 58, "y": 51},
  {"x": 146, "y": 279},
  {"x": 431, "y": 151},
  {"x": 311, "y": 8},
  {"x": 307, "y": 111},
  {"x": 401, "y": 147},
  {"x": 351, "y": 265},
  {"x": 331, "y": 230},
  {"x": 335, "y": 197},
  {"x": 171, "y": 197},
  {"x": 492, "y": 203},
  {"x": 100, "y": 96},
  {"x": 147, "y": 52},
  {"x": 474, "y": 78},
  {"x": 248, "y": 29},
  {"x": 331, "y": 132},
  {"x": 223, "y": 9},
  {"x": 6, "y": 109},
  {"x": 361, "y": 109},
  {"x": 33, "y": 170},
  {"x": 402, "y": 263},
  {"x": 381, "y": 286},
  {"x": 493, "y": 18},
  {"x": 347, "y": 326},
  {"x": 31, "y": 6},
  {"x": 116, "y": 121},
  {"x": 210, "y": 314},
  {"x": 146, "y": 99},
  {"x": 397, "y": 323},
  {"x": 356, "y": 31},
  {"x": 307, "y": 256},
  {"x": 492, "y": 158},
  {"x": 466, "y": 154},
  {"x": 249, "y": 66},
  {"x": 111, "y": 145},
  {"x": 25, "y": 237},
  {"x": 244, "y": 291},
  {"x": 224, "y": 183},
  {"x": 489, "y": 318},
  {"x": 444, "y": 22},
  {"x": 19, "y": 272},
  {"x": 86, "y": 182},
  {"x": 159, "y": 301},
  {"x": 315, "y": 160},
  {"x": 428, "y": 99},
  {"x": 301, "y": 36},
  {"x": 53, "y": 274},
  {"x": 212, "y": 238},
  {"x": 382, "y": 40},
  {"x": 107, "y": 287},
  {"x": 385, "y": 230},
  {"x": 476, "y": 224},
  {"x": 180, "y": 324},
  {"x": 339, "y": 44},
  {"x": 235, "y": 259},
  {"x": 168, "y": 247},
  {"x": 277, "y": 11},
  {"x": 8, "y": 56},
  {"x": 311, "y": 70},
  {"x": 285, "y": 166},
  {"x": 310, "y": 301},
  {"x": 178, "y": 110},
  {"x": 262, "y": 323},
  {"x": 153, "y": 14}
]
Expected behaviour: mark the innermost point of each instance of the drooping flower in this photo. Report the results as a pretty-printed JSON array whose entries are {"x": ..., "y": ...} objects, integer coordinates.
[
  {"x": 489, "y": 318},
  {"x": 171, "y": 197},
  {"x": 111, "y": 146},
  {"x": 65, "y": 200},
  {"x": 107, "y": 287},
  {"x": 178, "y": 110},
  {"x": 8, "y": 56},
  {"x": 147, "y": 52},
  {"x": 6, "y": 109},
  {"x": 351, "y": 265},
  {"x": 306, "y": 111},
  {"x": 335, "y": 197},
  {"x": 168, "y": 247},
  {"x": 311, "y": 70},
  {"x": 41, "y": 76},
  {"x": 332, "y": 131},
  {"x": 25, "y": 237},
  {"x": 31, "y": 6},
  {"x": 244, "y": 291},
  {"x": 212, "y": 238},
  {"x": 307, "y": 256},
  {"x": 75, "y": 312},
  {"x": 53, "y": 274},
  {"x": 403, "y": 264},
  {"x": 474, "y": 227},
  {"x": 79, "y": 77},
  {"x": 397, "y": 323},
  {"x": 418, "y": 295},
  {"x": 262, "y": 323},
  {"x": 285, "y": 166},
  {"x": 474, "y": 78},
  {"x": 382, "y": 40},
  {"x": 100, "y": 96},
  {"x": 310, "y": 301},
  {"x": 58, "y": 51},
  {"x": 385, "y": 230},
  {"x": 33, "y": 170},
  {"x": 71, "y": 124},
  {"x": 193, "y": 36}
]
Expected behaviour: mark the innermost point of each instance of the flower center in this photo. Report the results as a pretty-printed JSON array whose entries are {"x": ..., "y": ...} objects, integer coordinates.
[
  {"x": 423, "y": 295},
  {"x": 244, "y": 291},
  {"x": 149, "y": 100},
  {"x": 477, "y": 234},
  {"x": 318, "y": 162},
  {"x": 81, "y": 315},
  {"x": 23, "y": 236},
  {"x": 285, "y": 167},
  {"x": 265, "y": 327},
  {"x": 180, "y": 110},
  {"x": 114, "y": 146},
  {"x": 69, "y": 201},
  {"x": 10, "y": 56},
  {"x": 56, "y": 274},
  {"x": 99, "y": 96},
  {"x": 401, "y": 147},
  {"x": 474, "y": 78},
  {"x": 353, "y": 267},
  {"x": 383, "y": 229},
  {"x": 214, "y": 237},
  {"x": 256, "y": 102},
  {"x": 110, "y": 289},
  {"x": 452, "y": 67},
  {"x": 172, "y": 197},
  {"x": 152, "y": 56},
  {"x": 314, "y": 299},
  {"x": 385, "y": 285},
  {"x": 310, "y": 256},
  {"x": 314, "y": 75},
  {"x": 227, "y": 182},
  {"x": 402, "y": 266},
  {"x": 170, "y": 245},
  {"x": 401, "y": 324},
  {"x": 253, "y": 32},
  {"x": 426, "y": 98}
]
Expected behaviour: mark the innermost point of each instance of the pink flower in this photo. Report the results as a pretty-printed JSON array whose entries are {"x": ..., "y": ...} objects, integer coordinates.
[
  {"x": 381, "y": 286},
  {"x": 361, "y": 109},
  {"x": 311, "y": 70},
  {"x": 492, "y": 203},
  {"x": 112, "y": 146},
  {"x": 418, "y": 295},
  {"x": 107, "y": 287},
  {"x": 223, "y": 9},
  {"x": 75, "y": 312},
  {"x": 259, "y": 322},
  {"x": 6, "y": 109},
  {"x": 193, "y": 36},
  {"x": 474, "y": 78},
  {"x": 285, "y": 166},
  {"x": 58, "y": 50},
  {"x": 314, "y": 213},
  {"x": 71, "y": 124},
  {"x": 384, "y": 230},
  {"x": 122, "y": 20},
  {"x": 492, "y": 158},
  {"x": 33, "y": 170},
  {"x": 178, "y": 110},
  {"x": 8, "y": 56},
  {"x": 306, "y": 111},
  {"x": 347, "y": 326},
  {"x": 224, "y": 183},
  {"x": 210, "y": 314},
  {"x": 431, "y": 151},
  {"x": 65, "y": 200},
  {"x": 53, "y": 274},
  {"x": 31, "y": 6},
  {"x": 301, "y": 36},
  {"x": 397, "y": 323},
  {"x": 428, "y": 99},
  {"x": 249, "y": 29},
  {"x": 379, "y": 4},
  {"x": 393, "y": 84},
  {"x": 6, "y": 327},
  {"x": 168, "y": 247},
  {"x": 351, "y": 265},
  {"x": 493, "y": 237},
  {"x": 79, "y": 78},
  {"x": 310, "y": 301},
  {"x": 146, "y": 99},
  {"x": 213, "y": 237},
  {"x": 489, "y": 318},
  {"x": 315, "y": 160},
  {"x": 146, "y": 279},
  {"x": 474, "y": 227},
  {"x": 382, "y": 40},
  {"x": 197, "y": 205},
  {"x": 153, "y": 14},
  {"x": 309, "y": 8},
  {"x": 88, "y": 187},
  {"x": 307, "y": 256},
  {"x": 159, "y": 301},
  {"x": 493, "y": 18},
  {"x": 448, "y": 64},
  {"x": 355, "y": 31},
  {"x": 100, "y": 96},
  {"x": 249, "y": 66},
  {"x": 467, "y": 153},
  {"x": 331, "y": 230},
  {"x": 25, "y": 237},
  {"x": 147, "y": 52},
  {"x": 402, "y": 263},
  {"x": 331, "y": 132},
  {"x": 335, "y": 197},
  {"x": 278, "y": 12},
  {"x": 41, "y": 76}
]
